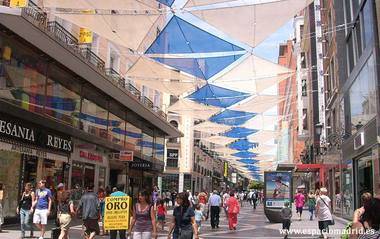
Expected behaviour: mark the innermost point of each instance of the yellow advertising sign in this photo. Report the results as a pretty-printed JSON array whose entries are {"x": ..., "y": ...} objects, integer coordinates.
[
  {"x": 225, "y": 174},
  {"x": 18, "y": 3},
  {"x": 117, "y": 211},
  {"x": 85, "y": 35}
]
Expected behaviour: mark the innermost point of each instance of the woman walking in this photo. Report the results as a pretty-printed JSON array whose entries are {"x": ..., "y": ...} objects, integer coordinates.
[
  {"x": 23, "y": 209},
  {"x": 184, "y": 225},
  {"x": 233, "y": 209},
  {"x": 65, "y": 212},
  {"x": 144, "y": 218},
  {"x": 311, "y": 204},
  {"x": 323, "y": 211}
]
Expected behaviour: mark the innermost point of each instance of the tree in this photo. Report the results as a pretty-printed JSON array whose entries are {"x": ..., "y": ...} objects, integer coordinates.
[{"x": 256, "y": 185}]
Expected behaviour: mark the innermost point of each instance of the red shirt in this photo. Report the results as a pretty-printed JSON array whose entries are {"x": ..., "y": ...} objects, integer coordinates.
[{"x": 161, "y": 210}]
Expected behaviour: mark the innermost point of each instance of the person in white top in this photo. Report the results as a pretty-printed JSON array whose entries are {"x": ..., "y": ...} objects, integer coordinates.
[
  {"x": 226, "y": 196},
  {"x": 323, "y": 212}
]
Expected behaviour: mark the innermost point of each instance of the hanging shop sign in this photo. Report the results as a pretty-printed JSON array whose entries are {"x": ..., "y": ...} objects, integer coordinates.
[
  {"x": 126, "y": 156},
  {"x": 18, "y": 3},
  {"x": 85, "y": 36},
  {"x": 22, "y": 131},
  {"x": 225, "y": 171},
  {"x": 117, "y": 212},
  {"x": 90, "y": 156},
  {"x": 172, "y": 154}
]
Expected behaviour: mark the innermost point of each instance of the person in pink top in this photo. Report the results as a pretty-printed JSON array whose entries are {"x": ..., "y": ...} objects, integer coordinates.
[
  {"x": 299, "y": 200},
  {"x": 233, "y": 210}
]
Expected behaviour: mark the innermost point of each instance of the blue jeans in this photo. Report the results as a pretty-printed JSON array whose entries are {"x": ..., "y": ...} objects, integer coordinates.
[{"x": 24, "y": 220}]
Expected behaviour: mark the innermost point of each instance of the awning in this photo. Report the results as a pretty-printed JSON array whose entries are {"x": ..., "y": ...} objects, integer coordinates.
[
  {"x": 253, "y": 75},
  {"x": 251, "y": 24},
  {"x": 158, "y": 76},
  {"x": 212, "y": 128},
  {"x": 130, "y": 5},
  {"x": 193, "y": 109},
  {"x": 259, "y": 103}
]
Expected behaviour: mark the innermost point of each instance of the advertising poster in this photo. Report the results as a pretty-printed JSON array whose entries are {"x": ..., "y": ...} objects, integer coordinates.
[
  {"x": 117, "y": 212},
  {"x": 277, "y": 188}
]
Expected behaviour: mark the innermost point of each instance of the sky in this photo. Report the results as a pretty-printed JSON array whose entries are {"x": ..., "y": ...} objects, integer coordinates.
[{"x": 268, "y": 49}]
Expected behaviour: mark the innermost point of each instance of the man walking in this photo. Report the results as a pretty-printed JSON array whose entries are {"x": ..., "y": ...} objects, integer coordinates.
[
  {"x": 89, "y": 206},
  {"x": 122, "y": 233},
  {"x": 215, "y": 202},
  {"x": 42, "y": 203}
]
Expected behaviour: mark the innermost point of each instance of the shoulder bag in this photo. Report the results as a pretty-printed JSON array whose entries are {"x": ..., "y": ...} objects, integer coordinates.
[{"x": 185, "y": 234}]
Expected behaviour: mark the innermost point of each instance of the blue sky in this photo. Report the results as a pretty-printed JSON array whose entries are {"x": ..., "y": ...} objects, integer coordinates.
[{"x": 268, "y": 49}]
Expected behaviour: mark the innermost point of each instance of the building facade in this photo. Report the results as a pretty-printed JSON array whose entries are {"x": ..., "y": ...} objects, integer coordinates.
[{"x": 64, "y": 118}]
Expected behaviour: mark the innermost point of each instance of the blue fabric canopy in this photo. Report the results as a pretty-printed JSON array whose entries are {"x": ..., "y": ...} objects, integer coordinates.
[
  {"x": 239, "y": 132},
  {"x": 248, "y": 161},
  {"x": 168, "y": 3},
  {"x": 232, "y": 117},
  {"x": 244, "y": 154},
  {"x": 179, "y": 36},
  {"x": 217, "y": 96},
  {"x": 242, "y": 144},
  {"x": 203, "y": 68}
]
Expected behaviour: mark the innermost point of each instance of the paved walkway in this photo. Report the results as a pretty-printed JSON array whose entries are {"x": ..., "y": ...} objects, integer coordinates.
[{"x": 252, "y": 224}]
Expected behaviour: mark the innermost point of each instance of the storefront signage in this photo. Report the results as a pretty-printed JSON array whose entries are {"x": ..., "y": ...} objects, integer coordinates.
[
  {"x": 117, "y": 213},
  {"x": 172, "y": 153},
  {"x": 126, "y": 156},
  {"x": 140, "y": 165},
  {"x": 90, "y": 156},
  {"x": 225, "y": 171},
  {"x": 16, "y": 129}
]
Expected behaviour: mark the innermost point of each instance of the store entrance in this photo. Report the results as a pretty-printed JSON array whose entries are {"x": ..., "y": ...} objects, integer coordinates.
[
  {"x": 364, "y": 176},
  {"x": 114, "y": 173}
]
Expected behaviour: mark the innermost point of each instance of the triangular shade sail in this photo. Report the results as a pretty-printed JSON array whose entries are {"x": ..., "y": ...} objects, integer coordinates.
[
  {"x": 130, "y": 5},
  {"x": 203, "y": 67},
  {"x": 245, "y": 154},
  {"x": 225, "y": 151},
  {"x": 263, "y": 136},
  {"x": 212, "y": 128},
  {"x": 193, "y": 3},
  {"x": 261, "y": 121},
  {"x": 180, "y": 36},
  {"x": 217, "y": 96},
  {"x": 220, "y": 140},
  {"x": 114, "y": 27},
  {"x": 160, "y": 77},
  {"x": 248, "y": 161},
  {"x": 168, "y": 3},
  {"x": 193, "y": 109},
  {"x": 252, "y": 24},
  {"x": 259, "y": 103},
  {"x": 253, "y": 75},
  {"x": 242, "y": 144},
  {"x": 239, "y": 132},
  {"x": 263, "y": 148},
  {"x": 265, "y": 158},
  {"x": 232, "y": 117}
]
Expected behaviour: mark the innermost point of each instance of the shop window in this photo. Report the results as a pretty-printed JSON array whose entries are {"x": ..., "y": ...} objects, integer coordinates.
[
  {"x": 9, "y": 176},
  {"x": 364, "y": 176},
  {"x": 53, "y": 173},
  {"x": 347, "y": 190},
  {"x": 94, "y": 119},
  {"x": 62, "y": 103},
  {"x": 170, "y": 182},
  {"x": 116, "y": 129},
  {"x": 22, "y": 75},
  {"x": 147, "y": 145},
  {"x": 368, "y": 24},
  {"x": 363, "y": 96},
  {"x": 134, "y": 138},
  {"x": 82, "y": 175},
  {"x": 338, "y": 193},
  {"x": 187, "y": 182},
  {"x": 159, "y": 148},
  {"x": 102, "y": 178}
]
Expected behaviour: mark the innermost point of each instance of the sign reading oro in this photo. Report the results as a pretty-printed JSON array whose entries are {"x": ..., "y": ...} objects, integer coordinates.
[{"x": 117, "y": 213}]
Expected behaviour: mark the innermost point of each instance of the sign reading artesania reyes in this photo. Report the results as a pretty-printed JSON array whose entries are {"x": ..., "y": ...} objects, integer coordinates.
[
  {"x": 117, "y": 213},
  {"x": 21, "y": 131}
]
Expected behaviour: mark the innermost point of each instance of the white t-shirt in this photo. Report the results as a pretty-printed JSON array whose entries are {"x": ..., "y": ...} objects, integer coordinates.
[{"x": 324, "y": 213}]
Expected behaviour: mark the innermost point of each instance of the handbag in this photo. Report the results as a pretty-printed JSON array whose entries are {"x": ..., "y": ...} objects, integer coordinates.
[
  {"x": 185, "y": 234},
  {"x": 332, "y": 221}
]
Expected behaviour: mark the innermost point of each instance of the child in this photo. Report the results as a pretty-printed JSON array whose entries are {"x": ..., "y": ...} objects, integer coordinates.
[
  {"x": 198, "y": 216},
  {"x": 161, "y": 213},
  {"x": 286, "y": 215}
]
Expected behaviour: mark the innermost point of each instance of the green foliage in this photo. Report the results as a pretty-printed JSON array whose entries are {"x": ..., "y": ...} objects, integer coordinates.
[{"x": 256, "y": 185}]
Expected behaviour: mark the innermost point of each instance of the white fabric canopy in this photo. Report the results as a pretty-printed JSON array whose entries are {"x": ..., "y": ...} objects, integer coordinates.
[
  {"x": 114, "y": 27},
  {"x": 262, "y": 122},
  {"x": 265, "y": 158},
  {"x": 217, "y": 139},
  {"x": 253, "y": 75},
  {"x": 263, "y": 148},
  {"x": 211, "y": 127},
  {"x": 226, "y": 151},
  {"x": 193, "y": 109},
  {"x": 263, "y": 136},
  {"x": 258, "y": 103},
  {"x": 252, "y": 24},
  {"x": 193, "y": 3},
  {"x": 160, "y": 77},
  {"x": 130, "y": 5}
]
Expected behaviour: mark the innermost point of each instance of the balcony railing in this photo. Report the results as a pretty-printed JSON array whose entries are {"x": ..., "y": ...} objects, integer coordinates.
[{"x": 38, "y": 17}]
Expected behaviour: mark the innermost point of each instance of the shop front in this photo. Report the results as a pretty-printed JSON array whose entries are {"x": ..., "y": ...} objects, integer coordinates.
[
  {"x": 28, "y": 153},
  {"x": 89, "y": 166}
]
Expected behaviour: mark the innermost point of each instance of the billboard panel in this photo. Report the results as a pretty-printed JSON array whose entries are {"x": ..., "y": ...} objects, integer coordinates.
[{"x": 277, "y": 188}]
